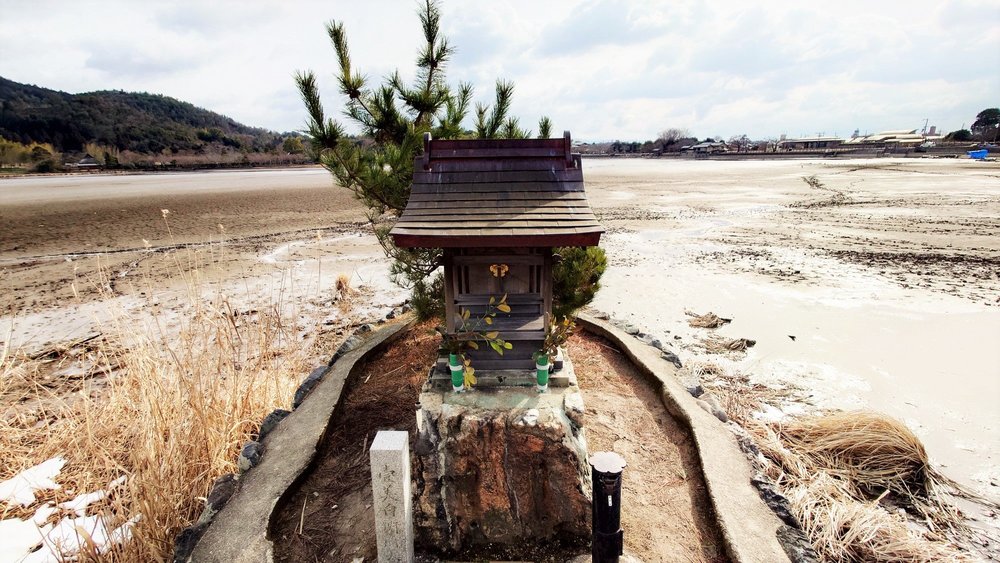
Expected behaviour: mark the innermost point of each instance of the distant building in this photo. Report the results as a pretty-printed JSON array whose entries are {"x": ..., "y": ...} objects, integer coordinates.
[
  {"x": 810, "y": 143},
  {"x": 706, "y": 148},
  {"x": 88, "y": 162}
]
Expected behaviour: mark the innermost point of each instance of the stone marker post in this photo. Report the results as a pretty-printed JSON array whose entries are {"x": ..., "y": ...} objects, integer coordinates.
[
  {"x": 390, "y": 462},
  {"x": 608, "y": 542}
]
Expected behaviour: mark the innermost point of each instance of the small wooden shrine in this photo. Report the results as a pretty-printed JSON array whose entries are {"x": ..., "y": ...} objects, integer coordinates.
[{"x": 497, "y": 208}]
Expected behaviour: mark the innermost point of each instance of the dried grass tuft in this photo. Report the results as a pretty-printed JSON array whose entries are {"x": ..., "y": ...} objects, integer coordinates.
[
  {"x": 872, "y": 451},
  {"x": 738, "y": 395},
  {"x": 860, "y": 483},
  {"x": 844, "y": 528},
  {"x": 861, "y": 486},
  {"x": 343, "y": 286},
  {"x": 171, "y": 416}
]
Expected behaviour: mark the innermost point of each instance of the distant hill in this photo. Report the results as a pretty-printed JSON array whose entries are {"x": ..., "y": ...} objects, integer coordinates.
[{"x": 138, "y": 122}]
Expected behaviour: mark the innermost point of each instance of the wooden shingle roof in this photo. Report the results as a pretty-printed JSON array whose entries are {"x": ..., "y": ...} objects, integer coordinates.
[{"x": 489, "y": 193}]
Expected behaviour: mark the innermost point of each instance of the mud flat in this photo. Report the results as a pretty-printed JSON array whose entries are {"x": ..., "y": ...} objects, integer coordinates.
[
  {"x": 873, "y": 285},
  {"x": 77, "y": 250},
  {"x": 876, "y": 286}
]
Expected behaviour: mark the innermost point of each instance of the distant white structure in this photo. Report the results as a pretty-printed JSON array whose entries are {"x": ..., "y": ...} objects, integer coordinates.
[{"x": 897, "y": 137}]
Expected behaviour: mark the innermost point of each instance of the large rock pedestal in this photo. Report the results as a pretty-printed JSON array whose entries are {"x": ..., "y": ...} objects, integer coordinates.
[{"x": 501, "y": 466}]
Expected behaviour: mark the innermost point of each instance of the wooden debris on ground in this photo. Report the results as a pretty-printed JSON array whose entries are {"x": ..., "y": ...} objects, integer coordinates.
[
  {"x": 708, "y": 320},
  {"x": 719, "y": 345}
]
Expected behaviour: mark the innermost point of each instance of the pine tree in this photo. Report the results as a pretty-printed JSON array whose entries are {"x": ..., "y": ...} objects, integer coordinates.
[{"x": 393, "y": 117}]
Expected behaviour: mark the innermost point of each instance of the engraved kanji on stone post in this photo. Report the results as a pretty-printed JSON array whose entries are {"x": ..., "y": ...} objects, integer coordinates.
[{"x": 390, "y": 464}]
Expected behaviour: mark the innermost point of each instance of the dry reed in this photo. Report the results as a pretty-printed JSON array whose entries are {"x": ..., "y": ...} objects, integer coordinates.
[
  {"x": 860, "y": 483},
  {"x": 171, "y": 417}
]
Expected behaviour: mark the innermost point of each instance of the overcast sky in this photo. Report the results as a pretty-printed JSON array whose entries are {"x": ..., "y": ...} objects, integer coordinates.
[{"x": 602, "y": 69}]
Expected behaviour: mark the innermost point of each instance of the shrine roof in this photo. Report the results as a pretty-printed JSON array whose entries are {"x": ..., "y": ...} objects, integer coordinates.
[{"x": 497, "y": 192}]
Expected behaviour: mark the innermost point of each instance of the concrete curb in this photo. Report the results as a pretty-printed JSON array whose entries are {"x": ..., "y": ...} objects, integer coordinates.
[
  {"x": 238, "y": 533},
  {"x": 747, "y": 525}
]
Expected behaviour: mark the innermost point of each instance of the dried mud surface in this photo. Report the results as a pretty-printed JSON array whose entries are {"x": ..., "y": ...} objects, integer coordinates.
[
  {"x": 871, "y": 284},
  {"x": 924, "y": 224},
  {"x": 878, "y": 287},
  {"x": 63, "y": 240},
  {"x": 81, "y": 254}
]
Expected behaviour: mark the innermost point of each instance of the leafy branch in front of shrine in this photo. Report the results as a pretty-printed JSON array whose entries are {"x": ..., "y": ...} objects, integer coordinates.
[
  {"x": 557, "y": 332},
  {"x": 470, "y": 331}
]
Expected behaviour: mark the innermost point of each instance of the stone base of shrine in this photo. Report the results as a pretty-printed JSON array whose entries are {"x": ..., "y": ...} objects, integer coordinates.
[{"x": 500, "y": 465}]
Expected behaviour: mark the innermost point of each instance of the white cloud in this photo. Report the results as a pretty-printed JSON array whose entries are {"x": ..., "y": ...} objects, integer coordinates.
[{"x": 603, "y": 68}]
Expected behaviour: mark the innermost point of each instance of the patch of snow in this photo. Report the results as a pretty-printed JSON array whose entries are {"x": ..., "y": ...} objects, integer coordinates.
[
  {"x": 20, "y": 489},
  {"x": 19, "y": 537},
  {"x": 72, "y": 535},
  {"x": 69, "y": 537},
  {"x": 82, "y": 501},
  {"x": 35, "y": 541},
  {"x": 769, "y": 413},
  {"x": 793, "y": 409},
  {"x": 43, "y": 513}
]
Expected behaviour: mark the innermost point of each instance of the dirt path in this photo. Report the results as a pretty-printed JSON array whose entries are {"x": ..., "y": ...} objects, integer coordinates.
[
  {"x": 330, "y": 517},
  {"x": 665, "y": 510}
]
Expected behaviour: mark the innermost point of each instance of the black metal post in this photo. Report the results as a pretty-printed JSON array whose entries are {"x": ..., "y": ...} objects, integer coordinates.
[{"x": 606, "y": 470}]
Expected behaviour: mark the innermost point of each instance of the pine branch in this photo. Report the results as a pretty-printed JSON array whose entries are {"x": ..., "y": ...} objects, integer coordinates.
[
  {"x": 544, "y": 127},
  {"x": 457, "y": 107},
  {"x": 512, "y": 130},
  {"x": 430, "y": 62},
  {"x": 482, "y": 127},
  {"x": 492, "y": 126},
  {"x": 324, "y": 134},
  {"x": 352, "y": 85},
  {"x": 393, "y": 116}
]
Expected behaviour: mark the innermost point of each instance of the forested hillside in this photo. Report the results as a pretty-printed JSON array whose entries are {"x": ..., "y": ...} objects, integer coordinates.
[{"x": 136, "y": 122}]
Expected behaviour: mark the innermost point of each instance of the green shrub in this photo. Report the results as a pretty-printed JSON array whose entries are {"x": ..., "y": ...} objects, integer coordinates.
[
  {"x": 576, "y": 278},
  {"x": 427, "y": 297},
  {"x": 47, "y": 165}
]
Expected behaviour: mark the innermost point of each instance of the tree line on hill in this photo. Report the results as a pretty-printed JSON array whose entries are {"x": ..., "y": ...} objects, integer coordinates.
[{"x": 40, "y": 128}]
